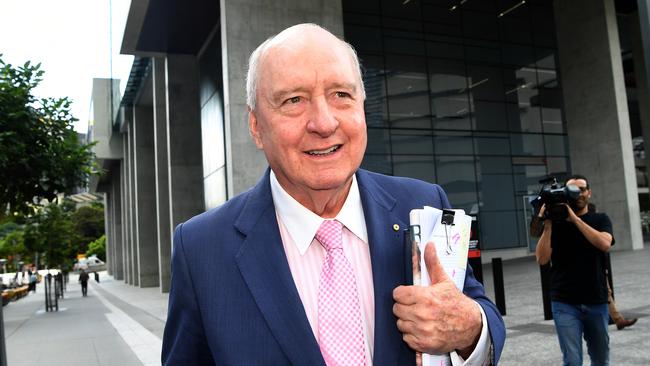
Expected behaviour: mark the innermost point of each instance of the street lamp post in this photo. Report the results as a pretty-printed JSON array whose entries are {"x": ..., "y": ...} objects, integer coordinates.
[{"x": 3, "y": 348}]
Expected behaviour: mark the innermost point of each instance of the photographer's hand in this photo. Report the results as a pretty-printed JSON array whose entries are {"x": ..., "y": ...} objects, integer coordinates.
[{"x": 572, "y": 217}]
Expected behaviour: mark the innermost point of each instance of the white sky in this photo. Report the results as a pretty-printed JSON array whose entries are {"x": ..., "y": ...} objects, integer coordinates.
[{"x": 71, "y": 40}]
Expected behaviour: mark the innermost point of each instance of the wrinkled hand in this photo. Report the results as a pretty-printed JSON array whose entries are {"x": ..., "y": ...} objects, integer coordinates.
[{"x": 438, "y": 318}]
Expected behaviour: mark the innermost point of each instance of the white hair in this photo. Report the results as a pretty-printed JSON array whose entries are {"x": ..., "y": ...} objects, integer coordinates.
[{"x": 253, "y": 65}]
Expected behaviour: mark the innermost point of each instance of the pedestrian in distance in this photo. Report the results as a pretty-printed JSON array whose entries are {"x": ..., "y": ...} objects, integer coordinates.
[
  {"x": 576, "y": 247},
  {"x": 83, "y": 279},
  {"x": 96, "y": 276},
  {"x": 33, "y": 279}
]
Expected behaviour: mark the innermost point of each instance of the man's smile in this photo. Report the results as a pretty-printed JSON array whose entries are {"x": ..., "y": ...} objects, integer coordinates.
[{"x": 324, "y": 152}]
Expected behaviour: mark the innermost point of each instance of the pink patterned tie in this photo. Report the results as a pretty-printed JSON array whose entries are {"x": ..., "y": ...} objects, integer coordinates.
[{"x": 340, "y": 329}]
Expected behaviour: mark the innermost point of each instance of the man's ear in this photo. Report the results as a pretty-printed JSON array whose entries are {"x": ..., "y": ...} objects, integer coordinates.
[{"x": 254, "y": 129}]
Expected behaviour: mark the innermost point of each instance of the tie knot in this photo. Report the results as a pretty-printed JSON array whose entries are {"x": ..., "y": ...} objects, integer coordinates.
[{"x": 329, "y": 234}]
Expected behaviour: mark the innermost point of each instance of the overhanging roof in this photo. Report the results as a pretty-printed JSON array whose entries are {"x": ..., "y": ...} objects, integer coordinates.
[{"x": 169, "y": 26}]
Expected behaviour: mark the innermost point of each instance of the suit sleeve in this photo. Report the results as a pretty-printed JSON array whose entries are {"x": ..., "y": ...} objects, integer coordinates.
[{"x": 184, "y": 341}]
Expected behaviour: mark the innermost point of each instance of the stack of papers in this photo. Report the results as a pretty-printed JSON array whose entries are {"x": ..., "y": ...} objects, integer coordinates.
[{"x": 449, "y": 230}]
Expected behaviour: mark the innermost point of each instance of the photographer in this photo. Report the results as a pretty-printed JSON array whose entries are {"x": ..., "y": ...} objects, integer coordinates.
[{"x": 576, "y": 243}]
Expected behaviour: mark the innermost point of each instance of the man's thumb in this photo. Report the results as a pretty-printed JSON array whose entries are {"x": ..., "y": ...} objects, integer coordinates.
[{"x": 436, "y": 271}]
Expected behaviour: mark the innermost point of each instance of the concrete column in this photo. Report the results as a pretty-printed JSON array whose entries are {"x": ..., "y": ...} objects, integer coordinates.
[
  {"x": 118, "y": 242},
  {"x": 108, "y": 229},
  {"x": 145, "y": 196},
  {"x": 245, "y": 25},
  {"x": 185, "y": 165},
  {"x": 595, "y": 105},
  {"x": 133, "y": 218},
  {"x": 126, "y": 212},
  {"x": 162, "y": 179},
  {"x": 639, "y": 55}
]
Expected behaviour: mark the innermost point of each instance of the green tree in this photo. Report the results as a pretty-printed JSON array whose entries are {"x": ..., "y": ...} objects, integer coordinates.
[
  {"x": 98, "y": 248},
  {"x": 40, "y": 154},
  {"x": 12, "y": 247},
  {"x": 51, "y": 232},
  {"x": 89, "y": 225}
]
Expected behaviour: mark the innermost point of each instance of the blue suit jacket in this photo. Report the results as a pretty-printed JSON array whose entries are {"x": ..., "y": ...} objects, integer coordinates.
[{"x": 233, "y": 300}]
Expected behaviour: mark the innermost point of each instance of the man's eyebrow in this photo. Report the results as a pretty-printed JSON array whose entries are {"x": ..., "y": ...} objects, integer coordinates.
[
  {"x": 279, "y": 95},
  {"x": 348, "y": 86}
]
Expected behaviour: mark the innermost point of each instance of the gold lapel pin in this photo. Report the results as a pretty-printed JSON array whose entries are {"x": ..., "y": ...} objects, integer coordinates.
[{"x": 395, "y": 227}]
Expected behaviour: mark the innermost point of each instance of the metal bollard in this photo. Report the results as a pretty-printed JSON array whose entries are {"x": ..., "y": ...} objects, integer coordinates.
[
  {"x": 499, "y": 291},
  {"x": 3, "y": 348},
  {"x": 545, "y": 274}
]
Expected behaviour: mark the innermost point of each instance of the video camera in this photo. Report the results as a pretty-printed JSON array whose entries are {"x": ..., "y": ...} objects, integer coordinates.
[{"x": 554, "y": 195}]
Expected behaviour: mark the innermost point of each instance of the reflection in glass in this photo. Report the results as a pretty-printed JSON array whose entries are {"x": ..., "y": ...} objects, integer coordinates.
[
  {"x": 453, "y": 143},
  {"x": 449, "y": 104},
  {"x": 415, "y": 166},
  {"x": 456, "y": 175},
  {"x": 527, "y": 178},
  {"x": 526, "y": 144},
  {"x": 411, "y": 142}
]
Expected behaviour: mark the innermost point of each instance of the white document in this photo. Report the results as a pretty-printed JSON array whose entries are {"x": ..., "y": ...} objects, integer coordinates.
[{"x": 450, "y": 234}]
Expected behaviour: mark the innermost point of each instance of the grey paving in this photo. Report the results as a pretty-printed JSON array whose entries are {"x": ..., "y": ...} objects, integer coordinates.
[{"x": 80, "y": 334}]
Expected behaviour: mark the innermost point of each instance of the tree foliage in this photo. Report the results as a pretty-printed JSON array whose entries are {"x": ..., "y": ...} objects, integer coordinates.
[
  {"x": 51, "y": 232},
  {"x": 89, "y": 225},
  {"x": 40, "y": 154},
  {"x": 53, "y": 235},
  {"x": 98, "y": 248}
]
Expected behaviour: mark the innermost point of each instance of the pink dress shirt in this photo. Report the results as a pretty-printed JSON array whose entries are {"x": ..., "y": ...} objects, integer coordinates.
[{"x": 298, "y": 226}]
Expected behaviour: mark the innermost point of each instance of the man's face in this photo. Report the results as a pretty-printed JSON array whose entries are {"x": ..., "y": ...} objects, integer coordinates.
[
  {"x": 309, "y": 117},
  {"x": 585, "y": 194}
]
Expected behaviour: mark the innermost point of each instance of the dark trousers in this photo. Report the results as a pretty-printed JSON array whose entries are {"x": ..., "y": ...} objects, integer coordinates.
[{"x": 84, "y": 288}]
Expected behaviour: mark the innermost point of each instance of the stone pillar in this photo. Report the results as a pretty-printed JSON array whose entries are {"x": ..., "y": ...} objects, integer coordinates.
[
  {"x": 108, "y": 229},
  {"x": 133, "y": 219},
  {"x": 118, "y": 242},
  {"x": 245, "y": 25},
  {"x": 126, "y": 209},
  {"x": 161, "y": 168},
  {"x": 145, "y": 197},
  {"x": 185, "y": 165},
  {"x": 595, "y": 105}
]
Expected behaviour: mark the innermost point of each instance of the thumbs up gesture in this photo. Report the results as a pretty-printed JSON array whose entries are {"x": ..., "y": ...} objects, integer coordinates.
[{"x": 437, "y": 319}]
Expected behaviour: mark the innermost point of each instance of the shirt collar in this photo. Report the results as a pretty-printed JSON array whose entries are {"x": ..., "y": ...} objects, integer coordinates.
[{"x": 302, "y": 224}]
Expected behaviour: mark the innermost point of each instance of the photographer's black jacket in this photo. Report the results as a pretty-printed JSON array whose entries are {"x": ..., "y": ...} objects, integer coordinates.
[{"x": 577, "y": 266}]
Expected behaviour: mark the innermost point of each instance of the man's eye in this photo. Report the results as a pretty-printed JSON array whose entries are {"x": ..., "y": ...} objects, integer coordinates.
[
  {"x": 341, "y": 94},
  {"x": 293, "y": 100}
]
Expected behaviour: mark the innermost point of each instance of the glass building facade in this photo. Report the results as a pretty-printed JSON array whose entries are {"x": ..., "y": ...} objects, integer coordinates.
[{"x": 465, "y": 94}]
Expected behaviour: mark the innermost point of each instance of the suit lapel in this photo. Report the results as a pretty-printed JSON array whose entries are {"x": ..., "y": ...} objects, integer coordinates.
[
  {"x": 264, "y": 267},
  {"x": 387, "y": 253}
]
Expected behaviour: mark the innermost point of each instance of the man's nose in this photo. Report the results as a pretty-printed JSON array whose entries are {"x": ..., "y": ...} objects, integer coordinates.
[{"x": 321, "y": 118}]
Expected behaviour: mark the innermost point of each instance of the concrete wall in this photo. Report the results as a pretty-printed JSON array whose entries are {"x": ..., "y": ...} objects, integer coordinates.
[
  {"x": 596, "y": 111},
  {"x": 244, "y": 26}
]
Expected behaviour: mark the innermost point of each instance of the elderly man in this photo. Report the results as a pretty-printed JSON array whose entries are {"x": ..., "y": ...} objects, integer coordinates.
[{"x": 309, "y": 267}]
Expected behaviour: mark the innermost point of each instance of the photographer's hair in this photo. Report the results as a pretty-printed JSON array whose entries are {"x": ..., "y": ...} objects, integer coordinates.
[
  {"x": 577, "y": 176},
  {"x": 254, "y": 61}
]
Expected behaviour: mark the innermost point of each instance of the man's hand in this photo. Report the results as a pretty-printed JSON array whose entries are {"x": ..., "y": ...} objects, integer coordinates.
[
  {"x": 572, "y": 217},
  {"x": 439, "y": 318}
]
